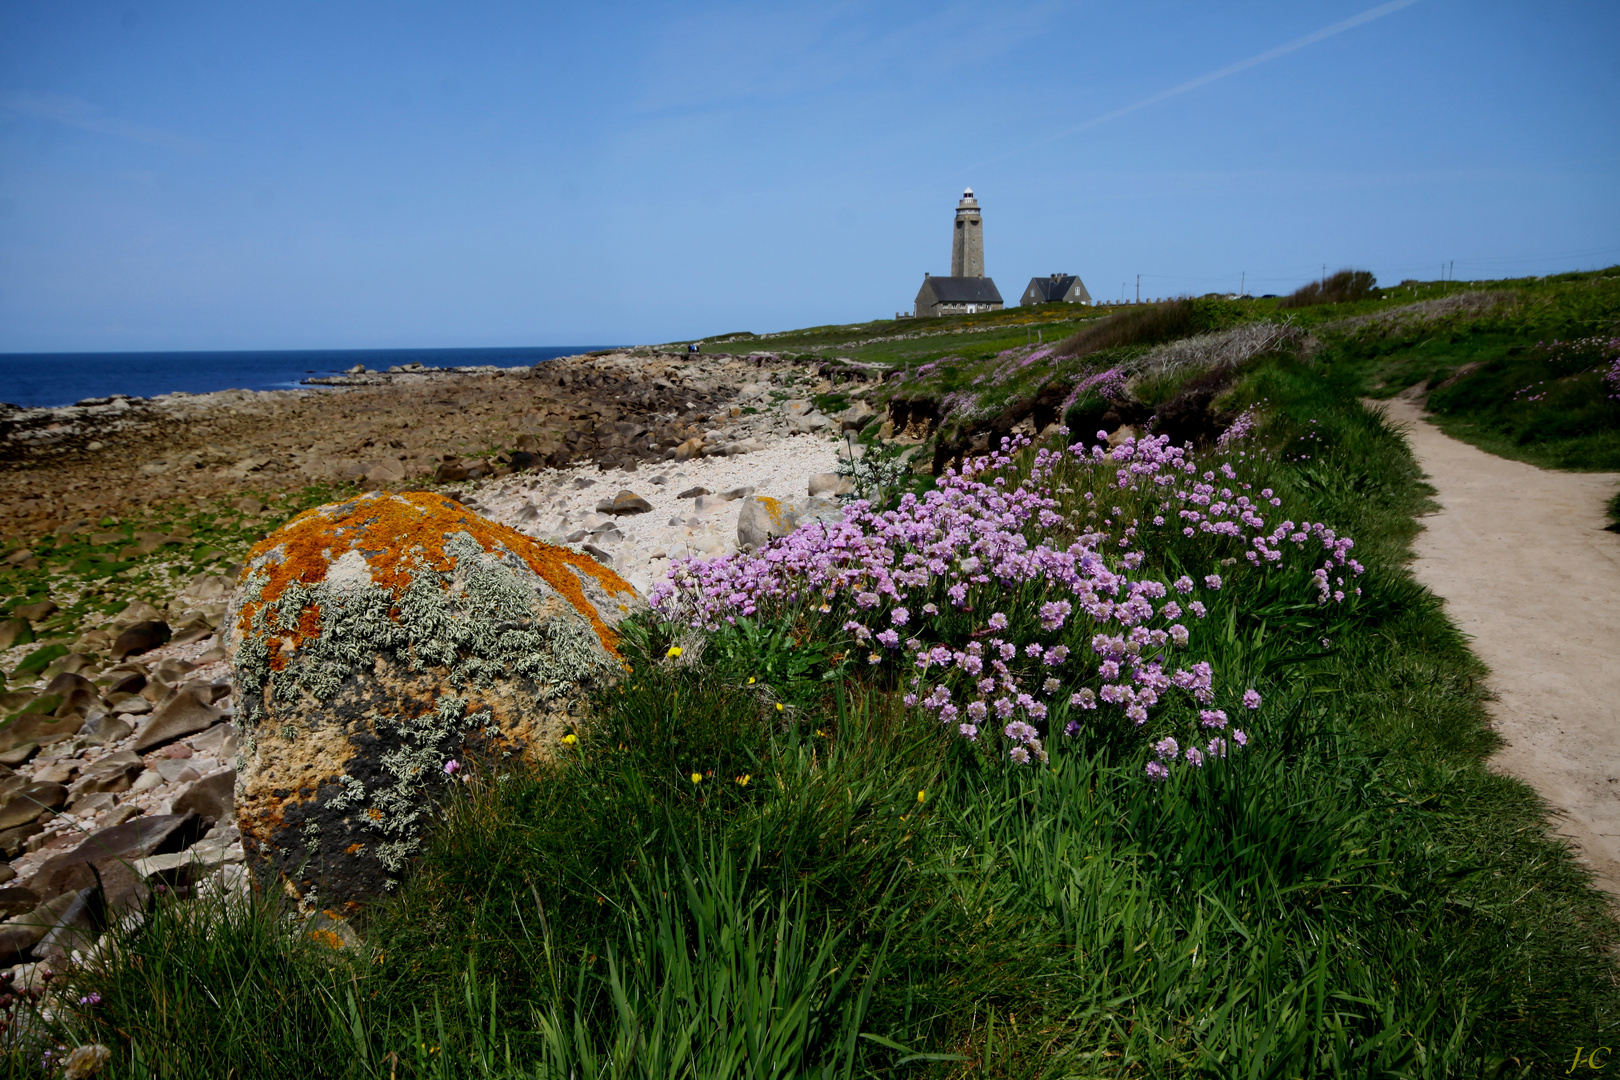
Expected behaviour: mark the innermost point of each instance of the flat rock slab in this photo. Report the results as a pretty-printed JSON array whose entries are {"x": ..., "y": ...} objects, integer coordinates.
[
  {"x": 1529, "y": 572},
  {"x": 112, "y": 853}
]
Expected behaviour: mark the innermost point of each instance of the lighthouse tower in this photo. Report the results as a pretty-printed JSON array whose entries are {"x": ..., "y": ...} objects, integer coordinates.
[
  {"x": 967, "y": 291},
  {"x": 967, "y": 239}
]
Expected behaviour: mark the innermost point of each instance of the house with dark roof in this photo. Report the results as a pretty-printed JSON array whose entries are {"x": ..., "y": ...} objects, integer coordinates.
[
  {"x": 957, "y": 296},
  {"x": 1064, "y": 288}
]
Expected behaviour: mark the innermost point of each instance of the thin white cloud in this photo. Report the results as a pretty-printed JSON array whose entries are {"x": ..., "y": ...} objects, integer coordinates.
[
  {"x": 1204, "y": 80},
  {"x": 76, "y": 112}
]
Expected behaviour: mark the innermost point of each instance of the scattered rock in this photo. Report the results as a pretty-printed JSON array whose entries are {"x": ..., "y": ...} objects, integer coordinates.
[
  {"x": 140, "y": 638},
  {"x": 856, "y": 416},
  {"x": 16, "y": 900},
  {"x": 77, "y": 694},
  {"x": 627, "y": 502},
  {"x": 36, "y": 612},
  {"x": 115, "y": 772},
  {"x": 94, "y": 803},
  {"x": 693, "y": 492},
  {"x": 830, "y": 483},
  {"x": 38, "y": 729},
  {"x": 57, "y": 772},
  {"x": 147, "y": 781},
  {"x": 705, "y": 504},
  {"x": 498, "y": 640},
  {"x": 450, "y": 472},
  {"x": 809, "y": 422},
  {"x": 20, "y": 933},
  {"x": 189, "y": 711},
  {"x": 107, "y": 854},
  {"x": 21, "y": 804},
  {"x": 211, "y": 798},
  {"x": 106, "y": 730},
  {"x": 175, "y": 770},
  {"x": 13, "y": 841},
  {"x": 15, "y": 632}
]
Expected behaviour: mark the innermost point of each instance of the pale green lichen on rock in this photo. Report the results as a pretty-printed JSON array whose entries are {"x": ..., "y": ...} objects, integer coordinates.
[{"x": 476, "y": 623}]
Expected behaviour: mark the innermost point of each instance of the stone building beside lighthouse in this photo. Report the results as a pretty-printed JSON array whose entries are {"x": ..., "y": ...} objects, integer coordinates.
[{"x": 967, "y": 290}]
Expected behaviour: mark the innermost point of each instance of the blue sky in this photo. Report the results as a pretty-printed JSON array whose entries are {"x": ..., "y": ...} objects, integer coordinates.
[{"x": 328, "y": 175}]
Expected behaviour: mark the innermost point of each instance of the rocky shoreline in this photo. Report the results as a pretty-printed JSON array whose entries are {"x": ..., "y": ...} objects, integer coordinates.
[
  {"x": 118, "y": 766},
  {"x": 620, "y": 409}
]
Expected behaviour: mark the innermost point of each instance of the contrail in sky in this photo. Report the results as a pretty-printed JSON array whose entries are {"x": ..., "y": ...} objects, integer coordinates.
[
  {"x": 1203, "y": 80},
  {"x": 75, "y": 112}
]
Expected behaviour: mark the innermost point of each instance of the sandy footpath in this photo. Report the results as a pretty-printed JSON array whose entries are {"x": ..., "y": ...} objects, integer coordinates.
[{"x": 1524, "y": 563}]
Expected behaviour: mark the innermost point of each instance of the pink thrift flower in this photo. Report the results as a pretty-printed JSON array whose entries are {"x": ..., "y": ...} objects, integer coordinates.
[{"x": 1251, "y": 699}]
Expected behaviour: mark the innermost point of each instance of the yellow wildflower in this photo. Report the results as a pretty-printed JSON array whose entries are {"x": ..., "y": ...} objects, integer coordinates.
[
  {"x": 743, "y": 779},
  {"x": 697, "y": 778},
  {"x": 570, "y": 739},
  {"x": 922, "y": 796},
  {"x": 674, "y": 651},
  {"x": 778, "y": 706}
]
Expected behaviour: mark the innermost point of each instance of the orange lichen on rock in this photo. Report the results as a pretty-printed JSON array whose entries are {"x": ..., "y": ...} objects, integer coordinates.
[
  {"x": 400, "y": 536},
  {"x": 773, "y": 507}
]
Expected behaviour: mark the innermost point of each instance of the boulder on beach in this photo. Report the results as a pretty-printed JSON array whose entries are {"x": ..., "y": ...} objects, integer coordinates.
[
  {"x": 762, "y": 518},
  {"x": 374, "y": 641}
]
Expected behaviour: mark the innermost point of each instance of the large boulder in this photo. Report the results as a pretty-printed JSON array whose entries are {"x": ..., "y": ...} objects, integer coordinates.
[
  {"x": 762, "y": 518},
  {"x": 375, "y": 640}
]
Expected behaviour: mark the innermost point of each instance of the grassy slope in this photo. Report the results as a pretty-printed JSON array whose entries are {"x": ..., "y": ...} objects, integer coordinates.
[
  {"x": 1358, "y": 895},
  {"x": 1497, "y": 382}
]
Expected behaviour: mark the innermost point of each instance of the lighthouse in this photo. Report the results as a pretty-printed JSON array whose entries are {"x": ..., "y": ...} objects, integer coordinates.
[
  {"x": 967, "y": 239},
  {"x": 967, "y": 291}
]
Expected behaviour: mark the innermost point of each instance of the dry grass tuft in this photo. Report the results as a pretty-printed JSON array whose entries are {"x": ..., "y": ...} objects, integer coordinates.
[
  {"x": 1140, "y": 326},
  {"x": 1342, "y": 287},
  {"x": 1224, "y": 349}
]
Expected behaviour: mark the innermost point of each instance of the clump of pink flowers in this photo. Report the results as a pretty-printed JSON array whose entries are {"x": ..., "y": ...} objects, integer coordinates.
[{"x": 1014, "y": 598}]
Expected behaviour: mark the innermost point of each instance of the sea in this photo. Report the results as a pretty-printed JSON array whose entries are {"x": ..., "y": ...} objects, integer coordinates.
[{"x": 50, "y": 379}]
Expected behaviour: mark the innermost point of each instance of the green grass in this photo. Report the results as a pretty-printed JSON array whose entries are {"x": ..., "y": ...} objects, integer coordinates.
[
  {"x": 1356, "y": 896},
  {"x": 1509, "y": 380},
  {"x": 757, "y": 863}
]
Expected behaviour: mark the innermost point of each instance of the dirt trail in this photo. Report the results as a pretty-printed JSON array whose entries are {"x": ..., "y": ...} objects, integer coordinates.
[{"x": 1526, "y": 568}]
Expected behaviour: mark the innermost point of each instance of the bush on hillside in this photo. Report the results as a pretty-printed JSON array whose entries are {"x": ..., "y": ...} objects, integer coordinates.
[
  {"x": 1341, "y": 288},
  {"x": 1149, "y": 325}
]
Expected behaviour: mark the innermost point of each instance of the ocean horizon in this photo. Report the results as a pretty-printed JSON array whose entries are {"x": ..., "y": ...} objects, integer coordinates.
[{"x": 36, "y": 380}]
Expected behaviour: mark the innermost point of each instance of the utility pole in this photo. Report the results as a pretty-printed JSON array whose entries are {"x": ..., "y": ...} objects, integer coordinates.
[
  {"x": 1452, "y": 274},
  {"x": 1243, "y": 281},
  {"x": 1324, "y": 275},
  {"x": 1138, "y": 288}
]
